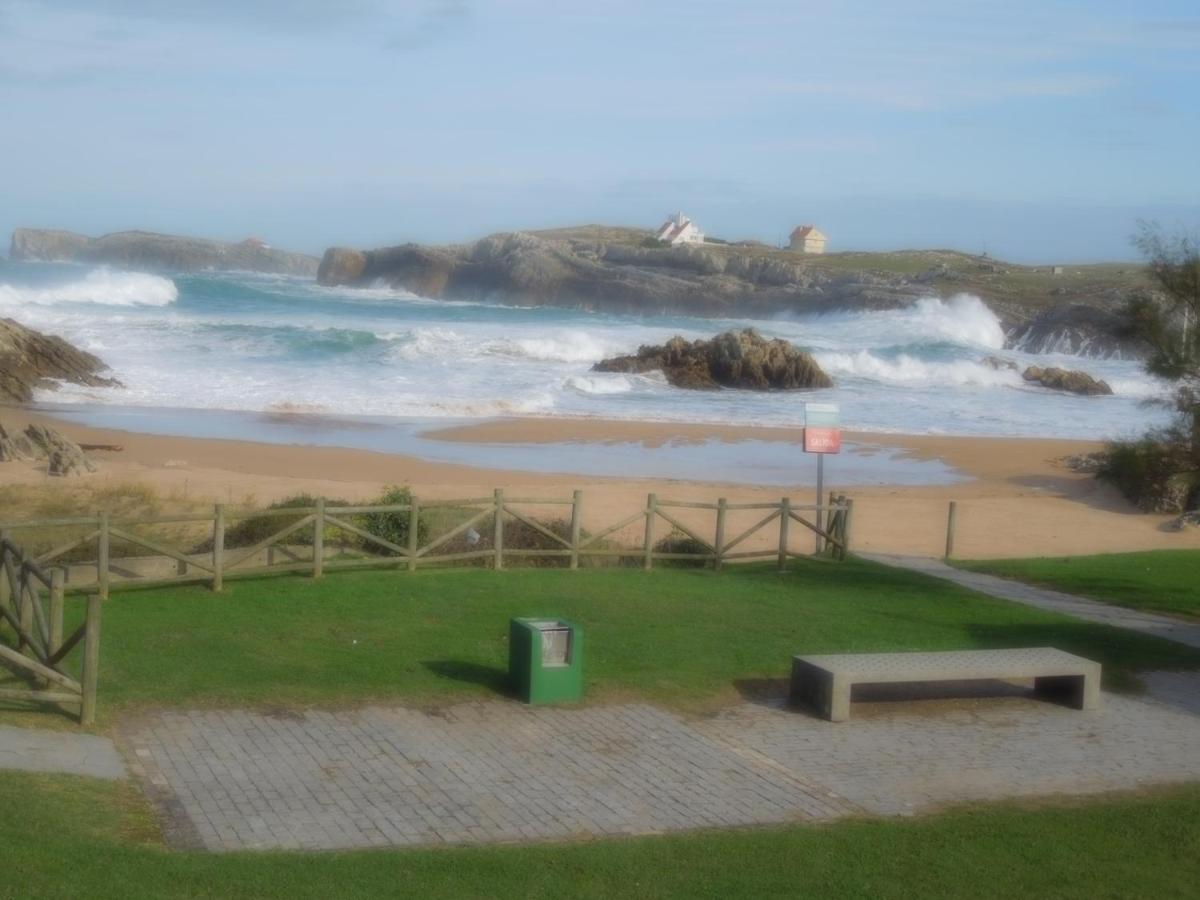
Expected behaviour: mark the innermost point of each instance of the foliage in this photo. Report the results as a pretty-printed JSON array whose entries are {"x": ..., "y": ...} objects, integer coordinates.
[
  {"x": 393, "y": 526},
  {"x": 679, "y": 542},
  {"x": 1169, "y": 321},
  {"x": 251, "y": 530},
  {"x": 1151, "y": 471}
]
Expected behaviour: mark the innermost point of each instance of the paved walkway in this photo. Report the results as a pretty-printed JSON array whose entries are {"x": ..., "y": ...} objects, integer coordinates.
[
  {"x": 34, "y": 750},
  {"x": 1091, "y": 610},
  {"x": 497, "y": 771}
]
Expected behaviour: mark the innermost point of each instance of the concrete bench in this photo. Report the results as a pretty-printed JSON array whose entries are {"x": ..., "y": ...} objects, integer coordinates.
[{"x": 823, "y": 682}]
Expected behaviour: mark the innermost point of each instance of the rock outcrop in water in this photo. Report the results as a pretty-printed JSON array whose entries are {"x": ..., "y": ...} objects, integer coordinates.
[
  {"x": 735, "y": 359},
  {"x": 30, "y": 359},
  {"x": 1066, "y": 380},
  {"x": 147, "y": 250}
]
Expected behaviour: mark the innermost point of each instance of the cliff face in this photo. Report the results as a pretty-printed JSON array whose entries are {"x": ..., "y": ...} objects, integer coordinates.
[
  {"x": 30, "y": 359},
  {"x": 144, "y": 249},
  {"x": 609, "y": 270}
]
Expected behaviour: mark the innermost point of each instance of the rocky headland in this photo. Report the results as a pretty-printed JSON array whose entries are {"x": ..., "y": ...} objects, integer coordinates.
[
  {"x": 626, "y": 271},
  {"x": 147, "y": 250},
  {"x": 30, "y": 359},
  {"x": 735, "y": 359}
]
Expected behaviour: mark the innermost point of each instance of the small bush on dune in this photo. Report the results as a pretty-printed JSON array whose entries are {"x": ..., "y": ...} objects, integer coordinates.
[
  {"x": 251, "y": 530},
  {"x": 679, "y": 542},
  {"x": 1152, "y": 472},
  {"x": 393, "y": 526}
]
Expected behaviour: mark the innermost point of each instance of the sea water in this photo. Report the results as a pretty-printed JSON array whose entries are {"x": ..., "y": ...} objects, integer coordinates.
[{"x": 256, "y": 343}]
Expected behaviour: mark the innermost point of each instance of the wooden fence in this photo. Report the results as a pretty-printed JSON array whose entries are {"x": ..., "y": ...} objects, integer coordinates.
[
  {"x": 830, "y": 522},
  {"x": 40, "y": 647}
]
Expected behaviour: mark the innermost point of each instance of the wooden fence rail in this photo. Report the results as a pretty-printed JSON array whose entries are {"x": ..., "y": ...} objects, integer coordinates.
[{"x": 491, "y": 514}]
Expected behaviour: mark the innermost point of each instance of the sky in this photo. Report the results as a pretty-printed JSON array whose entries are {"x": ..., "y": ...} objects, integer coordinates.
[{"x": 1035, "y": 130}]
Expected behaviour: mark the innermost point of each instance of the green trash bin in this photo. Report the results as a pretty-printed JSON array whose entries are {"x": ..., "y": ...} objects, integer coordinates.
[{"x": 545, "y": 660}]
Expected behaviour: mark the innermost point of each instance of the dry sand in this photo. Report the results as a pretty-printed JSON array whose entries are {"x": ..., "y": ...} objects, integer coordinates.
[{"x": 1020, "y": 503}]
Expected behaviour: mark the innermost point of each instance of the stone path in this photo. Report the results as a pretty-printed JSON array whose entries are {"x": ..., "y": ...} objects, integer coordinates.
[
  {"x": 34, "y": 750},
  {"x": 1091, "y": 610},
  {"x": 496, "y": 771}
]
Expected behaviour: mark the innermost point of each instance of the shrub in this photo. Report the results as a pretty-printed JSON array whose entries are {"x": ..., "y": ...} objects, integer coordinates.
[
  {"x": 679, "y": 542},
  {"x": 392, "y": 526},
  {"x": 251, "y": 530},
  {"x": 1150, "y": 472}
]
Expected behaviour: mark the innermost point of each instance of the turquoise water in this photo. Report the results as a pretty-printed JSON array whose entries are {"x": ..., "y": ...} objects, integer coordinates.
[{"x": 252, "y": 343}]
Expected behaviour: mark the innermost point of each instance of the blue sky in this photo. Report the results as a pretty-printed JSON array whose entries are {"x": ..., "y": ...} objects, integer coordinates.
[{"x": 1038, "y": 131}]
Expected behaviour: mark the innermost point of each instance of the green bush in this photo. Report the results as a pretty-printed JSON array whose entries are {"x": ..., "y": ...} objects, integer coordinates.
[
  {"x": 679, "y": 542},
  {"x": 392, "y": 526},
  {"x": 1151, "y": 472},
  {"x": 251, "y": 530}
]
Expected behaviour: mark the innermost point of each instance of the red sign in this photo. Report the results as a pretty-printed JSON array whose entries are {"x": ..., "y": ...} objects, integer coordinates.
[{"x": 822, "y": 440}]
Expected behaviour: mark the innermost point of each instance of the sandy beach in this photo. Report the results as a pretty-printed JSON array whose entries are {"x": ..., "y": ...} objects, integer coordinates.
[{"x": 1020, "y": 501}]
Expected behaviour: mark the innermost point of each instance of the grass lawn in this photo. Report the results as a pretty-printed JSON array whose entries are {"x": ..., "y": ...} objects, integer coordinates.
[
  {"x": 65, "y": 836},
  {"x": 1161, "y": 580},
  {"x": 687, "y": 638}
]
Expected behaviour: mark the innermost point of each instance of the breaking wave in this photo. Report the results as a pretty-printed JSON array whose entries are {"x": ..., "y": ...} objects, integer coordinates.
[
  {"x": 906, "y": 369},
  {"x": 103, "y": 286}
]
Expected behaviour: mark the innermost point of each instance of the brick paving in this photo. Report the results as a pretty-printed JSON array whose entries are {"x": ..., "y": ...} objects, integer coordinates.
[{"x": 496, "y": 771}]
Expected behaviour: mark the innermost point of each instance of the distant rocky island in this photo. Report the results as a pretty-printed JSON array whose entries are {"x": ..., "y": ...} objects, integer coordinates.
[
  {"x": 1070, "y": 309},
  {"x": 148, "y": 250}
]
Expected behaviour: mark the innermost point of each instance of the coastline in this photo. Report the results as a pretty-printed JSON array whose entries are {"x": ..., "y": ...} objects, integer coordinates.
[{"x": 1019, "y": 501}]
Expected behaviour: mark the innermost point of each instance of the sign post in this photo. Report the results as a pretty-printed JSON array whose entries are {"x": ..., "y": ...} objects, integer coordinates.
[{"x": 822, "y": 435}]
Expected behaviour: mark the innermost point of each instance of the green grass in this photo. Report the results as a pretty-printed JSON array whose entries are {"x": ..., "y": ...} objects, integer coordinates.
[
  {"x": 1160, "y": 580},
  {"x": 64, "y": 836},
  {"x": 680, "y": 637}
]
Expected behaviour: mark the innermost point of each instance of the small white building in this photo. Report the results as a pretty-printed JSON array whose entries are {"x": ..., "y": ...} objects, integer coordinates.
[
  {"x": 679, "y": 229},
  {"x": 807, "y": 239}
]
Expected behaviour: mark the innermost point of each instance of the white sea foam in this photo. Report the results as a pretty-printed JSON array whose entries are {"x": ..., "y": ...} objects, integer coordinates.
[
  {"x": 906, "y": 369},
  {"x": 103, "y": 286},
  {"x": 964, "y": 319}
]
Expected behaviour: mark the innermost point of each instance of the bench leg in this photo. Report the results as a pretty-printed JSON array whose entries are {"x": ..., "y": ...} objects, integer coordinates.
[
  {"x": 821, "y": 691},
  {"x": 1080, "y": 691}
]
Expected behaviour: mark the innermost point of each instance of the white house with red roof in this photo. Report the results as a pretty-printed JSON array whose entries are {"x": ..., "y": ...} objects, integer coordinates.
[
  {"x": 807, "y": 239},
  {"x": 679, "y": 229}
]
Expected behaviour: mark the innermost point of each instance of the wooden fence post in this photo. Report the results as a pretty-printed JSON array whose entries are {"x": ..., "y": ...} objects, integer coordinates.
[
  {"x": 719, "y": 546},
  {"x": 102, "y": 551},
  {"x": 5, "y": 589},
  {"x": 25, "y": 604},
  {"x": 951, "y": 517},
  {"x": 56, "y": 609},
  {"x": 498, "y": 529},
  {"x": 648, "y": 543},
  {"x": 218, "y": 553},
  {"x": 414, "y": 529},
  {"x": 91, "y": 660},
  {"x": 846, "y": 517},
  {"x": 576, "y": 503},
  {"x": 319, "y": 539},
  {"x": 785, "y": 515}
]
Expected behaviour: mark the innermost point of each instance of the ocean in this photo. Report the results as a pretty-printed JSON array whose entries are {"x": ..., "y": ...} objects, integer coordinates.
[{"x": 255, "y": 343}]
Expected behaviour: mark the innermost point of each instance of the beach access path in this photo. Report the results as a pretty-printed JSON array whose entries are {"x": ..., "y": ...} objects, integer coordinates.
[{"x": 1160, "y": 626}]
